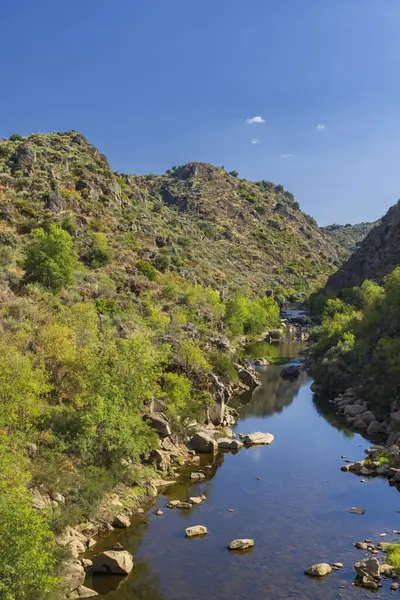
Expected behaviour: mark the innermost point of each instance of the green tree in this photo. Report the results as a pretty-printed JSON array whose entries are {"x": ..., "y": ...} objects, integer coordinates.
[
  {"x": 22, "y": 389},
  {"x": 50, "y": 258},
  {"x": 26, "y": 542},
  {"x": 192, "y": 357},
  {"x": 99, "y": 253},
  {"x": 177, "y": 390}
]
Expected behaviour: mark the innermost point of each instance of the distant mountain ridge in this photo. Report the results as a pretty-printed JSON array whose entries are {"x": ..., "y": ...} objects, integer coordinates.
[{"x": 350, "y": 236}]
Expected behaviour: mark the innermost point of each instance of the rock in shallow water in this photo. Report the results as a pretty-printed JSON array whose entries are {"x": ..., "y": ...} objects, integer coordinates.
[
  {"x": 257, "y": 438},
  {"x": 318, "y": 570},
  {"x": 203, "y": 442},
  {"x": 355, "y": 510},
  {"x": 369, "y": 567},
  {"x": 241, "y": 544},
  {"x": 229, "y": 444},
  {"x": 116, "y": 562},
  {"x": 196, "y": 530}
]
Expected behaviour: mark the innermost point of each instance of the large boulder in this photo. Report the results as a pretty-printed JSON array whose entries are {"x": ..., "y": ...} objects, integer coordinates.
[
  {"x": 352, "y": 410},
  {"x": 72, "y": 576},
  {"x": 121, "y": 521},
  {"x": 374, "y": 427},
  {"x": 159, "y": 423},
  {"x": 117, "y": 562},
  {"x": 203, "y": 442},
  {"x": 160, "y": 459},
  {"x": 368, "y": 417},
  {"x": 318, "y": 570},
  {"x": 368, "y": 567},
  {"x": 249, "y": 376},
  {"x": 257, "y": 438}
]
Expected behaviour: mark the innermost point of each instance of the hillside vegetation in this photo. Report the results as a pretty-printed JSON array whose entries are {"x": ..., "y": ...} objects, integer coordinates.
[
  {"x": 357, "y": 345},
  {"x": 376, "y": 257},
  {"x": 349, "y": 236},
  {"x": 118, "y": 293}
]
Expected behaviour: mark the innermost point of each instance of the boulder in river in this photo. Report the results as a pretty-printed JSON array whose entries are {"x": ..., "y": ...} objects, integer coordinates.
[
  {"x": 355, "y": 510},
  {"x": 182, "y": 505},
  {"x": 196, "y": 530},
  {"x": 203, "y": 442},
  {"x": 361, "y": 546},
  {"x": 196, "y": 499},
  {"x": 368, "y": 567},
  {"x": 116, "y": 562},
  {"x": 318, "y": 570},
  {"x": 241, "y": 544},
  {"x": 229, "y": 444},
  {"x": 257, "y": 438}
]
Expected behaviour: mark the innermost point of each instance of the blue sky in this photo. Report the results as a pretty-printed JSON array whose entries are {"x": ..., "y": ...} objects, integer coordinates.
[{"x": 155, "y": 83}]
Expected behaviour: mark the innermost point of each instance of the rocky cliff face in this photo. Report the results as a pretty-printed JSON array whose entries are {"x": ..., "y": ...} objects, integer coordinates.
[
  {"x": 378, "y": 254},
  {"x": 199, "y": 220}
]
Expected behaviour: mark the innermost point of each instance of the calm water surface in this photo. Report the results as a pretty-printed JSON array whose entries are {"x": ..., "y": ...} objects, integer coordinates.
[{"x": 297, "y": 514}]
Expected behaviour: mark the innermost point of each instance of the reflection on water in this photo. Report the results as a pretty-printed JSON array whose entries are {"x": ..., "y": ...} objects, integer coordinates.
[
  {"x": 291, "y": 497},
  {"x": 290, "y": 349},
  {"x": 280, "y": 393}
]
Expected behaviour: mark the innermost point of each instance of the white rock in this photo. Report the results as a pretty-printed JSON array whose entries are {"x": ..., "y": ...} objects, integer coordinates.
[
  {"x": 241, "y": 544},
  {"x": 257, "y": 438},
  {"x": 196, "y": 530}
]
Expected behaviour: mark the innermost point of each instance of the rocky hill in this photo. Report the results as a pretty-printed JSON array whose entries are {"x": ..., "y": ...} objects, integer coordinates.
[
  {"x": 198, "y": 220},
  {"x": 349, "y": 236},
  {"x": 378, "y": 254}
]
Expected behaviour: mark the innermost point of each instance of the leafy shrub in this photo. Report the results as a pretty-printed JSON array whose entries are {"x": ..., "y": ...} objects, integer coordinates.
[
  {"x": 50, "y": 258},
  {"x": 244, "y": 315},
  {"x": 163, "y": 261},
  {"x": 147, "y": 269},
  {"x": 234, "y": 173},
  {"x": 223, "y": 365},
  {"x": 192, "y": 357},
  {"x": 177, "y": 390},
  {"x": 99, "y": 253}
]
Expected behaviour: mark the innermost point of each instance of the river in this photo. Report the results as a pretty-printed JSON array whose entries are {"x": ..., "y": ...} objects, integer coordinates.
[{"x": 297, "y": 513}]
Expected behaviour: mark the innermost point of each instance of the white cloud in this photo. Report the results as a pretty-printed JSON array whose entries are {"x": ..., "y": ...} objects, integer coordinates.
[
  {"x": 286, "y": 155},
  {"x": 320, "y": 126},
  {"x": 254, "y": 141},
  {"x": 255, "y": 120}
]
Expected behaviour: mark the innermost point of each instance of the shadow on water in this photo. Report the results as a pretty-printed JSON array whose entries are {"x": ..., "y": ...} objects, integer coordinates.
[{"x": 291, "y": 497}]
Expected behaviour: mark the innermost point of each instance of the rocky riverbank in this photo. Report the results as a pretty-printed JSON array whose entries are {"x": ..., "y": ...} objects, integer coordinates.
[{"x": 125, "y": 501}]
